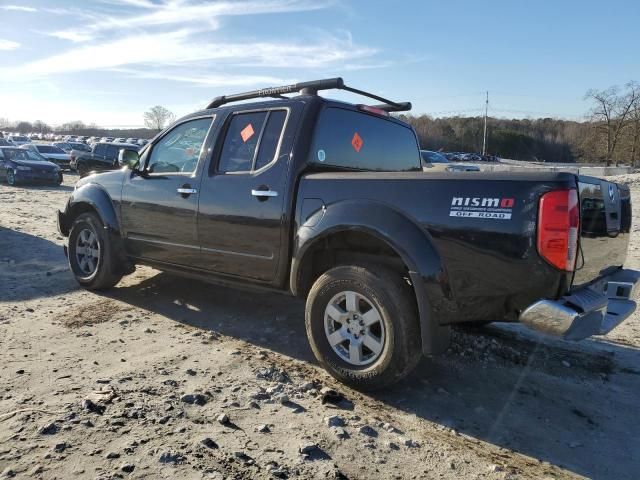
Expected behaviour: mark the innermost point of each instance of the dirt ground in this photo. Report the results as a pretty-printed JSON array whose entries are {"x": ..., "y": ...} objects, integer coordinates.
[{"x": 172, "y": 378}]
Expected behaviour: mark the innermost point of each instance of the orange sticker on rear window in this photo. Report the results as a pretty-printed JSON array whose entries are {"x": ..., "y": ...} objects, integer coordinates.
[
  {"x": 357, "y": 142},
  {"x": 247, "y": 132}
]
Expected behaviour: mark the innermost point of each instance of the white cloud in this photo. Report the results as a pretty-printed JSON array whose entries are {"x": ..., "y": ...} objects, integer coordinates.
[
  {"x": 180, "y": 48},
  {"x": 181, "y": 12},
  {"x": 8, "y": 44},
  {"x": 18, "y": 8}
]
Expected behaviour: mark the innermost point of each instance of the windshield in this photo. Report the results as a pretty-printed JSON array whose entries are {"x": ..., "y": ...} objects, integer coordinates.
[
  {"x": 16, "y": 153},
  {"x": 49, "y": 149},
  {"x": 19, "y": 138},
  {"x": 433, "y": 157}
]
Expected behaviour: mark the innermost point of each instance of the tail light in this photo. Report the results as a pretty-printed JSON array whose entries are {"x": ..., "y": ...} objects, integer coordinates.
[{"x": 558, "y": 224}]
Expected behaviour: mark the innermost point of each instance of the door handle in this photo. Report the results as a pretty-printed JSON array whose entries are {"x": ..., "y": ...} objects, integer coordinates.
[
  {"x": 187, "y": 191},
  {"x": 264, "y": 193}
]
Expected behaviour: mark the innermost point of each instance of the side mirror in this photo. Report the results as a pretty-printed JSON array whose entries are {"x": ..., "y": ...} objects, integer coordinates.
[{"x": 128, "y": 158}]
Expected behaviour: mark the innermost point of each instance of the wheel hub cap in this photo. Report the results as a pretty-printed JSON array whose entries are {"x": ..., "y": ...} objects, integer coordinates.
[
  {"x": 354, "y": 328},
  {"x": 87, "y": 251}
]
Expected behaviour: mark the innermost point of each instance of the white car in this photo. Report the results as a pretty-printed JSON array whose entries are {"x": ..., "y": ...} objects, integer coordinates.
[{"x": 19, "y": 140}]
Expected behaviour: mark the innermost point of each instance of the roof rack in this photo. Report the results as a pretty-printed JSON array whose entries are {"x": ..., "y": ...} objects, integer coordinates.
[{"x": 310, "y": 88}]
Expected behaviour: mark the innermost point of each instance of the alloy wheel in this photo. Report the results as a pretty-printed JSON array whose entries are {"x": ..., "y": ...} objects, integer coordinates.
[
  {"x": 354, "y": 328},
  {"x": 87, "y": 251}
]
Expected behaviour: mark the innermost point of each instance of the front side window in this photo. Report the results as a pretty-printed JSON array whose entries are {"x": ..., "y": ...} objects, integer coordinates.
[
  {"x": 178, "y": 151},
  {"x": 112, "y": 152},
  {"x": 251, "y": 141}
]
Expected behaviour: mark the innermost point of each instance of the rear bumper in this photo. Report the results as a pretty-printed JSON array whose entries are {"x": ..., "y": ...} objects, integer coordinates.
[{"x": 592, "y": 310}]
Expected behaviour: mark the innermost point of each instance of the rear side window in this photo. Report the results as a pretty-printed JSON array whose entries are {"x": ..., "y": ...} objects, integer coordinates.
[
  {"x": 251, "y": 141},
  {"x": 112, "y": 152},
  {"x": 100, "y": 149},
  {"x": 360, "y": 141}
]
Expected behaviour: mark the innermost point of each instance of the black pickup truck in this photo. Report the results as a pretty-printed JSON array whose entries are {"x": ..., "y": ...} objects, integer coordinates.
[
  {"x": 327, "y": 201},
  {"x": 102, "y": 156}
]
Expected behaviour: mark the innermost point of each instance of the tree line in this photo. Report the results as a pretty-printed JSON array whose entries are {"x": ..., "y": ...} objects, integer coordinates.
[
  {"x": 609, "y": 134},
  {"x": 155, "y": 119}
]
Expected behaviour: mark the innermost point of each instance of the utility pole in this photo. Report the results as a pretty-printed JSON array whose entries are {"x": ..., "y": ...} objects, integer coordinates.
[{"x": 486, "y": 111}]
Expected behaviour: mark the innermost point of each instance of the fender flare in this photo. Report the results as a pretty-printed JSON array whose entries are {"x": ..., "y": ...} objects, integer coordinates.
[
  {"x": 99, "y": 200},
  {"x": 403, "y": 235}
]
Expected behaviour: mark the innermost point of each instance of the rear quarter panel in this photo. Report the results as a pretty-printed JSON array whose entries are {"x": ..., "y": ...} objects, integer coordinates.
[{"x": 489, "y": 253}]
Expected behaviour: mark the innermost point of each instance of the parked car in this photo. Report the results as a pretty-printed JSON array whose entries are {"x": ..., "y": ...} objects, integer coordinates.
[
  {"x": 327, "y": 201},
  {"x": 102, "y": 156},
  {"x": 120, "y": 140},
  {"x": 436, "y": 162},
  {"x": 50, "y": 152},
  {"x": 6, "y": 143},
  {"x": 19, "y": 139},
  {"x": 142, "y": 142},
  {"x": 131, "y": 140},
  {"x": 106, "y": 139},
  {"x": 18, "y": 165}
]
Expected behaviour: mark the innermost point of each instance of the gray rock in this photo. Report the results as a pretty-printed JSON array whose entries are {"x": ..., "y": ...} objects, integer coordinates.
[
  {"x": 566, "y": 364},
  {"x": 49, "y": 429},
  {"x": 209, "y": 443},
  {"x": 112, "y": 455},
  {"x": 61, "y": 447},
  {"x": 368, "y": 431},
  {"x": 263, "y": 429},
  {"x": 392, "y": 446},
  {"x": 223, "y": 419},
  {"x": 127, "y": 467},
  {"x": 281, "y": 398},
  {"x": 307, "y": 448},
  {"x": 390, "y": 428},
  {"x": 171, "y": 457},
  {"x": 8, "y": 473},
  {"x": 334, "y": 421},
  {"x": 340, "y": 432},
  {"x": 191, "y": 371},
  {"x": 194, "y": 399},
  {"x": 410, "y": 443}
]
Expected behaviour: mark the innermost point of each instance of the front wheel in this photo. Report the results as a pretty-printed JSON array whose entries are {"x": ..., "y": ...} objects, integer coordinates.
[
  {"x": 91, "y": 254},
  {"x": 362, "y": 326},
  {"x": 11, "y": 177}
]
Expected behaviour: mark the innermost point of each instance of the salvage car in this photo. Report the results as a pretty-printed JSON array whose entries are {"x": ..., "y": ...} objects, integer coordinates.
[
  {"x": 100, "y": 157},
  {"x": 327, "y": 201},
  {"x": 436, "y": 162},
  {"x": 51, "y": 153},
  {"x": 18, "y": 165}
]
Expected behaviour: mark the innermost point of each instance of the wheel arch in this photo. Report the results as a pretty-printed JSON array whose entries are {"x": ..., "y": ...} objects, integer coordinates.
[
  {"x": 391, "y": 237},
  {"x": 91, "y": 198}
]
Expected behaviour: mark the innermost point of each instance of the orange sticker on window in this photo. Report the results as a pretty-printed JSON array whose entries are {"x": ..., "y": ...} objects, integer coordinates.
[
  {"x": 247, "y": 132},
  {"x": 357, "y": 142}
]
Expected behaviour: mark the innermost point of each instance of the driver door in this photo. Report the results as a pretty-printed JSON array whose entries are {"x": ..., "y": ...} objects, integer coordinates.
[{"x": 159, "y": 204}]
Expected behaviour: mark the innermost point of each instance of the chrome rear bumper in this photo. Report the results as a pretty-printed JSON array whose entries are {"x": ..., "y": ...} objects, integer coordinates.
[{"x": 593, "y": 310}]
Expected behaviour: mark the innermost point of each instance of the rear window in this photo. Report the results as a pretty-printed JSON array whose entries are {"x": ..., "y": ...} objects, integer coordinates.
[
  {"x": 48, "y": 149},
  {"x": 359, "y": 141}
]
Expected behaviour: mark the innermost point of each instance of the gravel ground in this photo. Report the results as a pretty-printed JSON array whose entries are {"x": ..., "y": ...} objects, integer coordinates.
[{"x": 167, "y": 378}]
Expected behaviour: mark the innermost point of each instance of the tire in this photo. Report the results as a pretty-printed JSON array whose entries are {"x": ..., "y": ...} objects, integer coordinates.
[
  {"x": 60, "y": 179},
  {"x": 379, "y": 293},
  {"x": 82, "y": 170},
  {"x": 96, "y": 272},
  {"x": 11, "y": 178}
]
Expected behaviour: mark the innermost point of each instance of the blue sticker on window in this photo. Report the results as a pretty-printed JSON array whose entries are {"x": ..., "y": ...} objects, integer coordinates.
[{"x": 321, "y": 155}]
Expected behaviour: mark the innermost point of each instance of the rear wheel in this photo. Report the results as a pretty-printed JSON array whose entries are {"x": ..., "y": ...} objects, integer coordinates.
[
  {"x": 91, "y": 254},
  {"x": 11, "y": 178},
  {"x": 362, "y": 326}
]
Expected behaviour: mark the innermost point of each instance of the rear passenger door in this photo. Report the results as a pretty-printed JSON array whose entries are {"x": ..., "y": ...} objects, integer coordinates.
[{"x": 241, "y": 206}]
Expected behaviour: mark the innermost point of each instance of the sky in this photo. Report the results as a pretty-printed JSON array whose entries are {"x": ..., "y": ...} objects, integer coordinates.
[{"x": 108, "y": 61}]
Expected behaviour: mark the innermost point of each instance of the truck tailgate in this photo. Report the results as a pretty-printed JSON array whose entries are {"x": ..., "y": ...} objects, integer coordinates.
[{"x": 605, "y": 209}]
